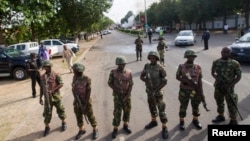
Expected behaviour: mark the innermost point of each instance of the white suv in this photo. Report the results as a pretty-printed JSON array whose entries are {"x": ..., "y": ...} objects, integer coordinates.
[
  {"x": 49, "y": 43},
  {"x": 26, "y": 48}
]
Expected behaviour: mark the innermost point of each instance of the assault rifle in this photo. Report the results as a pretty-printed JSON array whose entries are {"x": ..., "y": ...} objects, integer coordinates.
[
  {"x": 225, "y": 89},
  {"x": 46, "y": 95},
  {"x": 78, "y": 100},
  {"x": 198, "y": 91}
]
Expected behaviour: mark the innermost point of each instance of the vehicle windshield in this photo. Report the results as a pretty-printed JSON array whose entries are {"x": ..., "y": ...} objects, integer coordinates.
[
  {"x": 185, "y": 34},
  {"x": 13, "y": 52},
  {"x": 245, "y": 38}
]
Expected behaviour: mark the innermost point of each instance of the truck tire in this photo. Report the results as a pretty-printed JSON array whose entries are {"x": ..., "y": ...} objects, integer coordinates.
[{"x": 19, "y": 73}]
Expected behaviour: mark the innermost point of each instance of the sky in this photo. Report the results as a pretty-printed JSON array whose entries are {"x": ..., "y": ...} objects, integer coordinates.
[{"x": 120, "y": 8}]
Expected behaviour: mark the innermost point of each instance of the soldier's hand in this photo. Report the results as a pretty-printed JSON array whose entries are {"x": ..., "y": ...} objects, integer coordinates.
[{"x": 41, "y": 101}]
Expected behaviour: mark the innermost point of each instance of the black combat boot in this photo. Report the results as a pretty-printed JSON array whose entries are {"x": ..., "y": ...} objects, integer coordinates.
[
  {"x": 182, "y": 125},
  {"x": 127, "y": 129},
  {"x": 46, "y": 131},
  {"x": 151, "y": 125},
  {"x": 197, "y": 124},
  {"x": 114, "y": 133},
  {"x": 219, "y": 118},
  {"x": 95, "y": 134},
  {"x": 64, "y": 126},
  {"x": 79, "y": 134},
  {"x": 233, "y": 122},
  {"x": 164, "y": 133}
]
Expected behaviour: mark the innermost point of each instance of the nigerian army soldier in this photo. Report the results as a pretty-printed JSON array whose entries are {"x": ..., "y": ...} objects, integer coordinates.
[
  {"x": 121, "y": 82},
  {"x": 161, "y": 49},
  {"x": 81, "y": 88},
  {"x": 138, "y": 48},
  {"x": 226, "y": 72},
  {"x": 51, "y": 82},
  {"x": 190, "y": 76},
  {"x": 155, "y": 77}
]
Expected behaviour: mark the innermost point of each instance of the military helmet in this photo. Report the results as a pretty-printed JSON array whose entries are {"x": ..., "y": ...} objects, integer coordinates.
[
  {"x": 154, "y": 53},
  {"x": 189, "y": 53},
  {"x": 78, "y": 67},
  {"x": 47, "y": 63},
  {"x": 120, "y": 60}
]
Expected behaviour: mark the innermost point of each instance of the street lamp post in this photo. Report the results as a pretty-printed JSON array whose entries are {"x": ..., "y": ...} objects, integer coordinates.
[{"x": 146, "y": 20}]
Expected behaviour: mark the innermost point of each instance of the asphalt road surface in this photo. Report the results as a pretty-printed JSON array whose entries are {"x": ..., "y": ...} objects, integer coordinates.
[{"x": 99, "y": 61}]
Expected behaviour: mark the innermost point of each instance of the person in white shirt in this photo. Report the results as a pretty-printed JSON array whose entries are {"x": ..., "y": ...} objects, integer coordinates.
[{"x": 68, "y": 54}]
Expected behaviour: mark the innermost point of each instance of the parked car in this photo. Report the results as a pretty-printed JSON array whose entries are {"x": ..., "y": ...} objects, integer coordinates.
[
  {"x": 241, "y": 48},
  {"x": 105, "y": 32},
  {"x": 49, "y": 43},
  {"x": 26, "y": 47},
  {"x": 13, "y": 63},
  {"x": 185, "y": 37}
]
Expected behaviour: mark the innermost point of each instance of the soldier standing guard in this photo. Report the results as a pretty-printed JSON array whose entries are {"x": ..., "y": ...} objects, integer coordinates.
[
  {"x": 120, "y": 80},
  {"x": 138, "y": 48},
  {"x": 190, "y": 77},
  {"x": 227, "y": 73},
  {"x": 34, "y": 65},
  {"x": 155, "y": 78},
  {"x": 81, "y": 87},
  {"x": 161, "y": 49},
  {"x": 51, "y": 83}
]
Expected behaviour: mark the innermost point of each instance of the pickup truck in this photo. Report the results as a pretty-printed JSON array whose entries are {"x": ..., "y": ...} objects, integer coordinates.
[
  {"x": 13, "y": 63},
  {"x": 51, "y": 43}
]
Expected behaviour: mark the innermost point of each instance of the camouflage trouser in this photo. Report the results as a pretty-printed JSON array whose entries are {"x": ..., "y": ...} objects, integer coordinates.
[
  {"x": 54, "y": 101},
  {"x": 184, "y": 96},
  {"x": 219, "y": 98},
  {"x": 157, "y": 102},
  {"x": 88, "y": 112},
  {"x": 119, "y": 105},
  {"x": 161, "y": 54}
]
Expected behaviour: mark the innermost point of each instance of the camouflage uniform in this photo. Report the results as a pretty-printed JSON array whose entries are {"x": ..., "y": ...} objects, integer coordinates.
[
  {"x": 53, "y": 79},
  {"x": 138, "y": 47},
  {"x": 121, "y": 81},
  {"x": 190, "y": 77},
  {"x": 155, "y": 77},
  {"x": 51, "y": 83},
  {"x": 187, "y": 92},
  {"x": 161, "y": 49},
  {"x": 156, "y": 74},
  {"x": 226, "y": 70},
  {"x": 81, "y": 87}
]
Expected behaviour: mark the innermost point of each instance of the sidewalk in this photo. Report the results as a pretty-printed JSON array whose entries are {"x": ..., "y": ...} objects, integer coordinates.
[{"x": 18, "y": 107}]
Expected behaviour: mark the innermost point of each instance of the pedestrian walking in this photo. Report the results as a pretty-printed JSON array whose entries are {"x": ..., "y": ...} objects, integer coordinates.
[
  {"x": 51, "y": 83},
  {"x": 68, "y": 55},
  {"x": 227, "y": 73},
  {"x": 150, "y": 34},
  {"x": 190, "y": 76},
  {"x": 34, "y": 65},
  {"x": 43, "y": 52},
  {"x": 121, "y": 82},
  {"x": 242, "y": 30},
  {"x": 138, "y": 48},
  {"x": 161, "y": 50},
  {"x": 81, "y": 87},
  {"x": 155, "y": 78},
  {"x": 225, "y": 28},
  {"x": 205, "y": 37}
]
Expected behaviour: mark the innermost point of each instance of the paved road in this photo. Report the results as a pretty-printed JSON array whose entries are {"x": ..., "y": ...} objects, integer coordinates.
[{"x": 100, "y": 59}]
